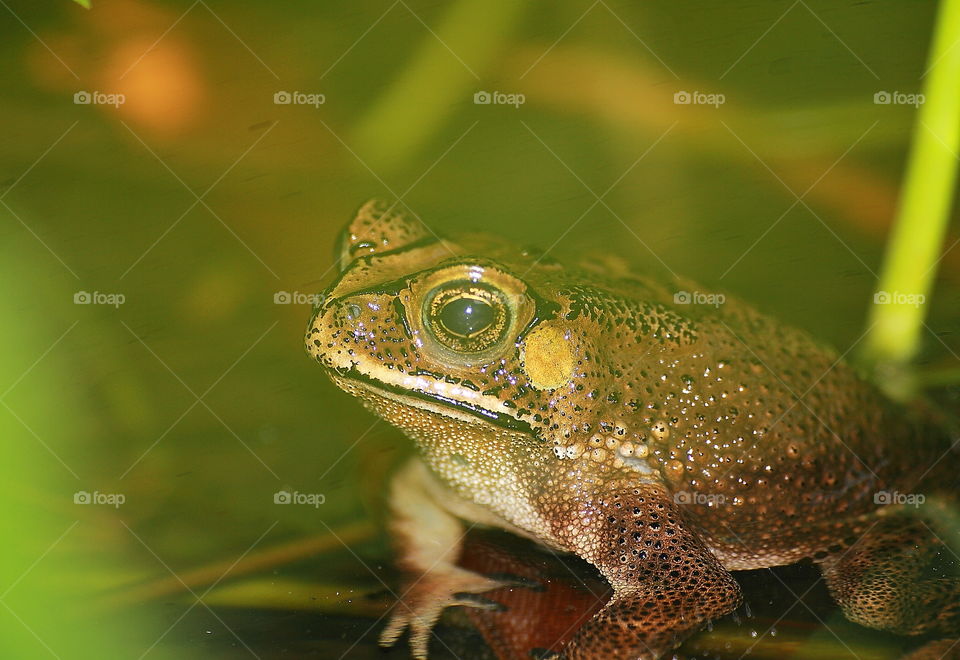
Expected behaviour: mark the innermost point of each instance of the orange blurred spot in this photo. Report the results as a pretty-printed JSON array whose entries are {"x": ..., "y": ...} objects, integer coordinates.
[
  {"x": 163, "y": 90},
  {"x": 117, "y": 51}
]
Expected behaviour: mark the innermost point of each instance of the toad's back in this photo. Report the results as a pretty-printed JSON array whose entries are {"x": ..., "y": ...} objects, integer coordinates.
[{"x": 777, "y": 445}]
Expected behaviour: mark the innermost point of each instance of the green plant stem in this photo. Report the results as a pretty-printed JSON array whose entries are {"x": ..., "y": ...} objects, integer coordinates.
[{"x": 912, "y": 255}]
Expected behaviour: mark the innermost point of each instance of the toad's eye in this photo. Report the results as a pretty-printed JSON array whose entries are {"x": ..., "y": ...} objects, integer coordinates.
[{"x": 467, "y": 317}]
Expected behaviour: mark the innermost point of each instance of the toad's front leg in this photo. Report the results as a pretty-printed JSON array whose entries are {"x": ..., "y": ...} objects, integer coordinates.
[{"x": 666, "y": 582}]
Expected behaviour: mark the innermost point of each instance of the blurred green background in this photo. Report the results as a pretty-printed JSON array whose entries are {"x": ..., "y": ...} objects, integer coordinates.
[{"x": 211, "y": 210}]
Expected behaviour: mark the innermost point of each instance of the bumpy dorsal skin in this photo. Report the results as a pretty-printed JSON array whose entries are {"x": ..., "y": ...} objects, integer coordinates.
[{"x": 666, "y": 443}]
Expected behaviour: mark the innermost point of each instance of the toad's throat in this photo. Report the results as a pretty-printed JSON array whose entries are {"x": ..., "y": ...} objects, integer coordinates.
[{"x": 437, "y": 402}]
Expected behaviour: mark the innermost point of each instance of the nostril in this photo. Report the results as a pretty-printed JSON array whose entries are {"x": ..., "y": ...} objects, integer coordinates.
[{"x": 353, "y": 311}]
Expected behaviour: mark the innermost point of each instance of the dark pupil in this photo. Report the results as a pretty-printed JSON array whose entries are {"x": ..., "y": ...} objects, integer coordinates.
[{"x": 466, "y": 316}]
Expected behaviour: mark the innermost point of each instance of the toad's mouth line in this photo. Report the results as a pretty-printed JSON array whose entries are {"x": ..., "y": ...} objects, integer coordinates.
[{"x": 438, "y": 403}]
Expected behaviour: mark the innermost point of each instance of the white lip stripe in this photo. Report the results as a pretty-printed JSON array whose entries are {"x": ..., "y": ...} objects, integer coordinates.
[
  {"x": 346, "y": 383},
  {"x": 427, "y": 385}
]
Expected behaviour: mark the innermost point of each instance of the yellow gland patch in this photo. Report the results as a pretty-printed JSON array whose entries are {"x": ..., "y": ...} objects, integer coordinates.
[{"x": 547, "y": 357}]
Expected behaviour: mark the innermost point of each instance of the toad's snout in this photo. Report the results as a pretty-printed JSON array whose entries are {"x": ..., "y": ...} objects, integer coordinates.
[{"x": 335, "y": 329}]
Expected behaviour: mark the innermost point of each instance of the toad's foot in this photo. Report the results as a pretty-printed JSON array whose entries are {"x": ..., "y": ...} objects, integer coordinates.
[
  {"x": 421, "y": 605},
  {"x": 429, "y": 540},
  {"x": 899, "y": 577}
]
